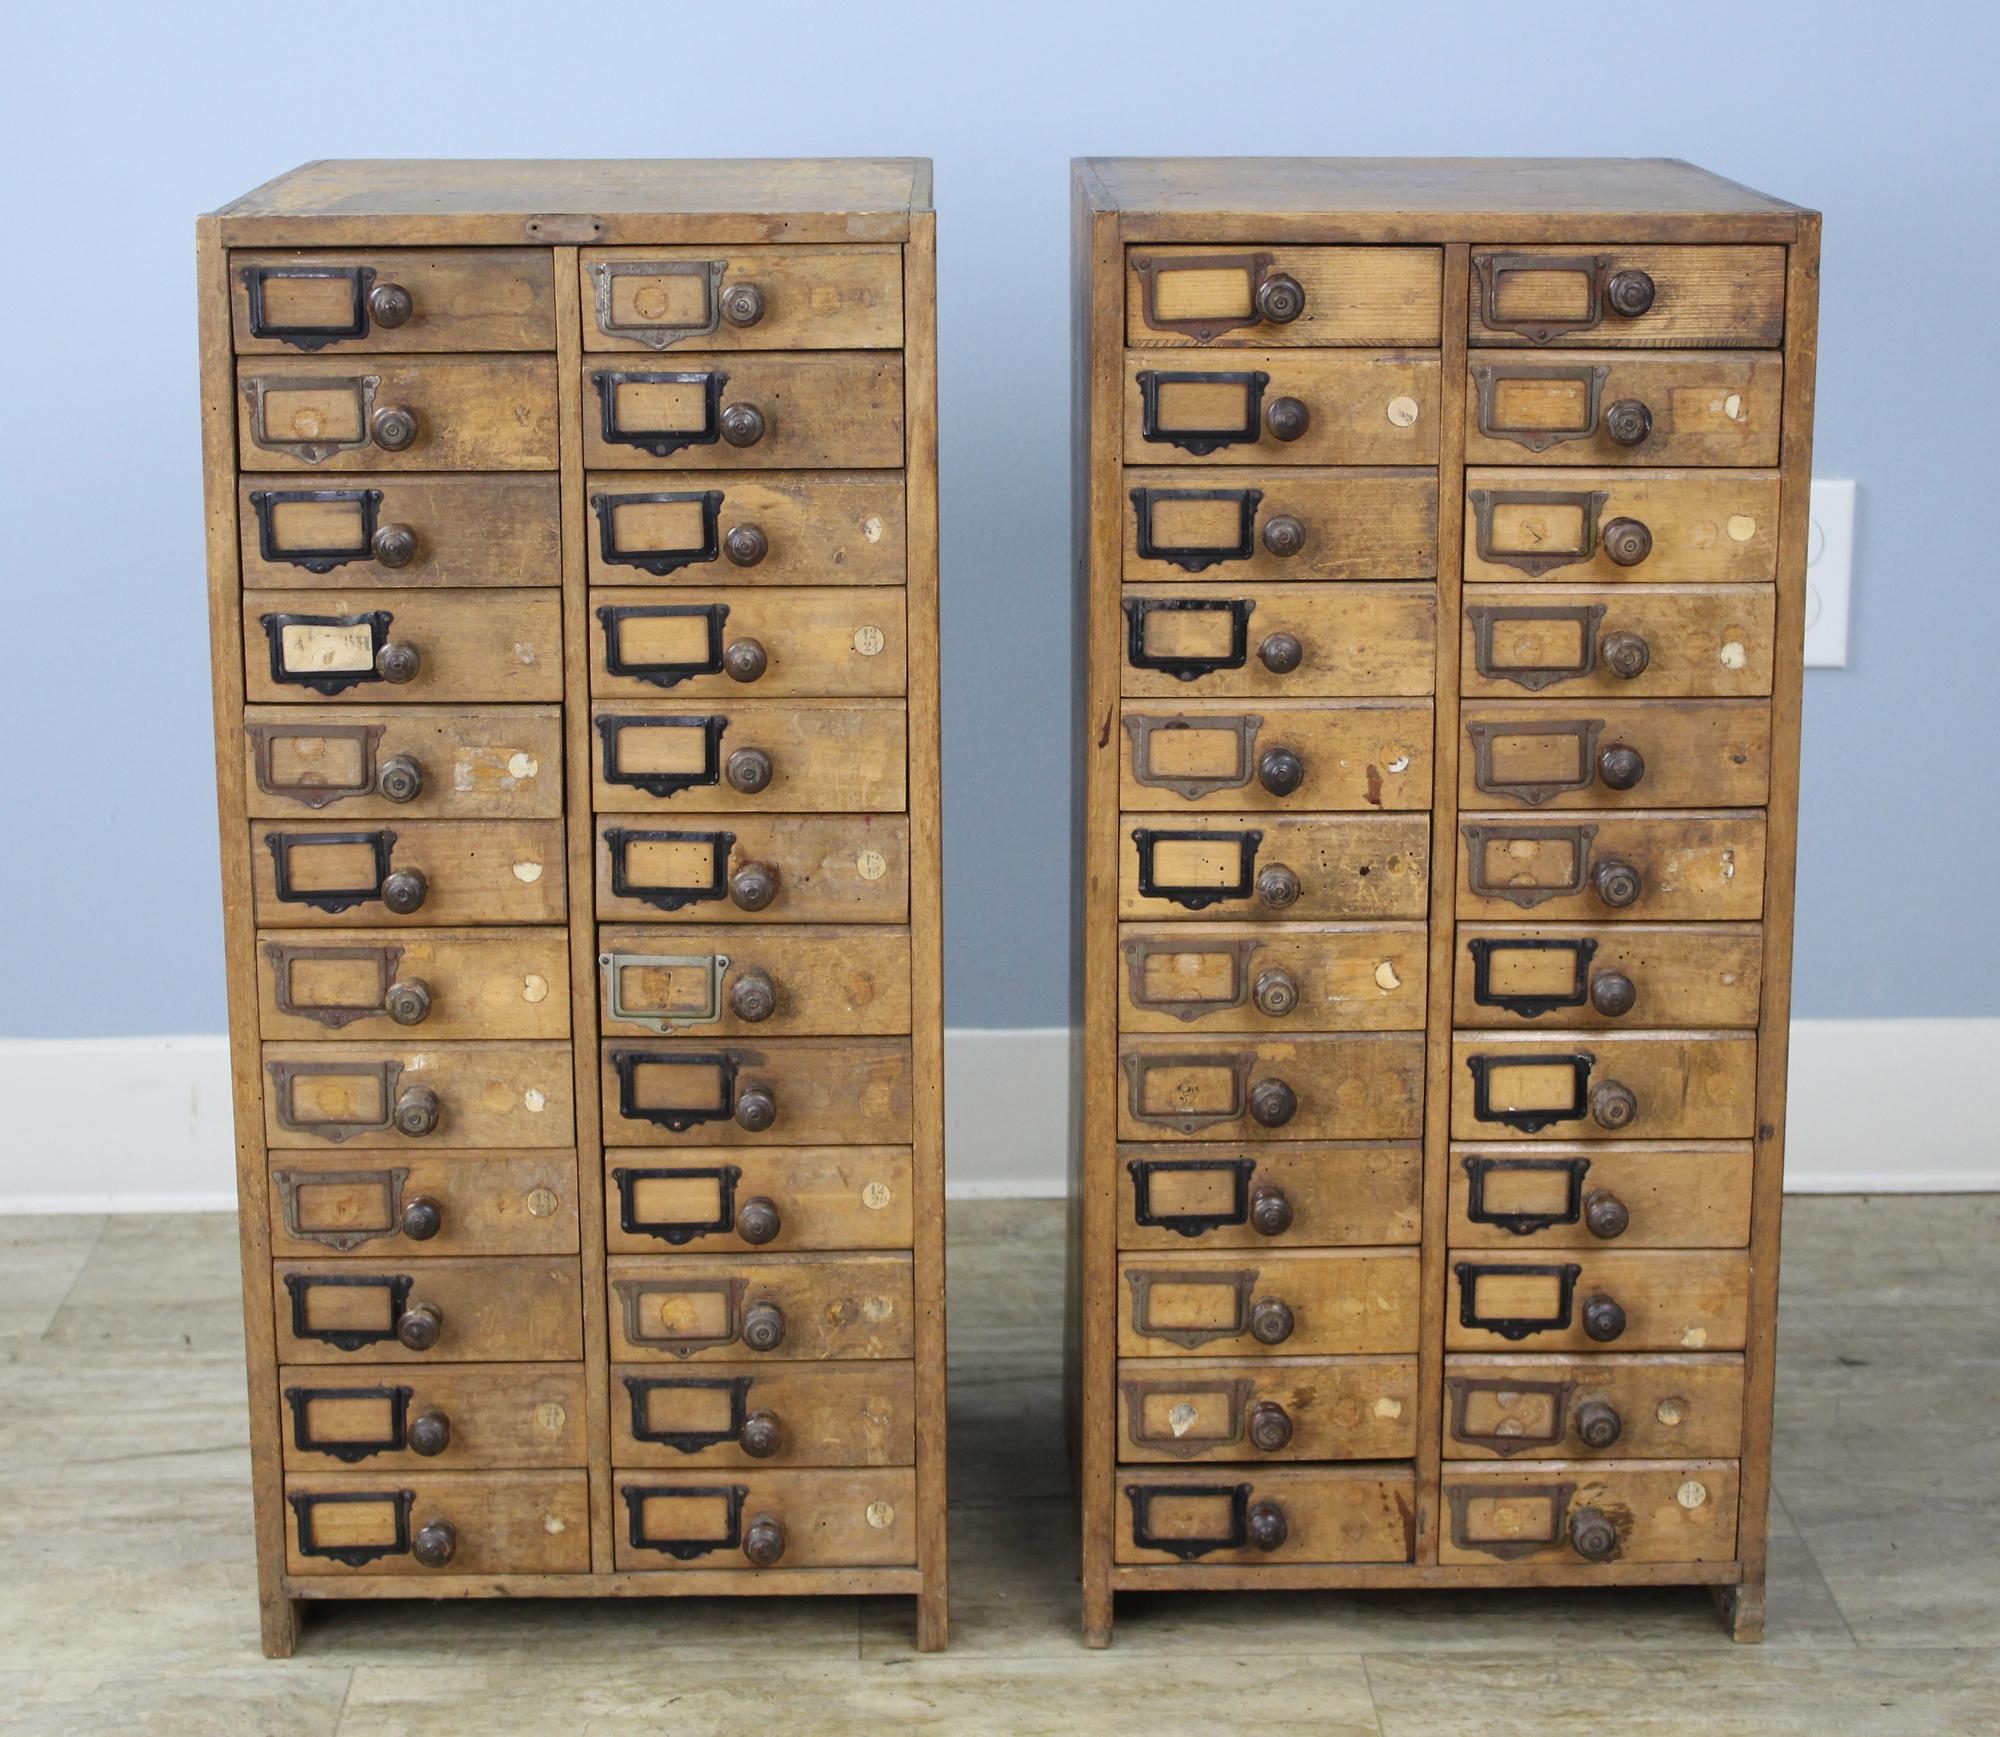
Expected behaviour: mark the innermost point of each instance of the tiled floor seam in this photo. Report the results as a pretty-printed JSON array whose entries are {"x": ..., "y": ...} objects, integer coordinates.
[
  {"x": 76, "y": 1278},
  {"x": 1805, "y": 1544}
]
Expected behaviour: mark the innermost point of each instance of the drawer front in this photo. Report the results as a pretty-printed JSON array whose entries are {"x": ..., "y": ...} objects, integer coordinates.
[
  {"x": 1262, "y": 296},
  {"x": 1276, "y": 867},
  {"x": 492, "y": 1203},
  {"x": 1711, "y": 527},
  {"x": 1282, "y": 407},
  {"x": 1623, "y": 975},
  {"x": 789, "y": 1414},
  {"x": 1643, "y": 297},
  {"x": 1282, "y": 1514},
  {"x": 1621, "y": 867},
  {"x": 1283, "y": 1408},
  {"x": 1274, "y": 979},
  {"x": 409, "y": 532},
  {"x": 1632, "y": 642},
  {"x": 801, "y": 981},
  {"x": 1589, "y": 1300},
  {"x": 1656, "y": 1085},
  {"x": 722, "y": 644},
  {"x": 1278, "y": 641},
  {"x": 1340, "y": 1193},
  {"x": 1323, "y": 1303},
  {"x": 1548, "y": 754},
  {"x": 753, "y": 411},
  {"x": 1678, "y": 1196},
  {"x": 447, "y": 1418},
  {"x": 368, "y": 648},
  {"x": 788, "y": 1091},
  {"x": 513, "y": 1310},
  {"x": 780, "y": 528},
  {"x": 767, "y": 298},
  {"x": 367, "y": 985},
  {"x": 1622, "y": 407},
  {"x": 437, "y": 1523},
  {"x": 1280, "y": 524},
  {"x": 422, "y": 299},
  {"x": 1626, "y": 1408},
  {"x": 765, "y": 1519},
  {"x": 783, "y": 1308},
  {"x": 813, "y": 1197},
  {"x": 751, "y": 868},
  {"x": 489, "y": 763},
  {"x": 346, "y": 413},
  {"x": 1364, "y": 1086},
  {"x": 429, "y": 871},
  {"x": 456, "y": 1095},
  {"x": 1358, "y": 754},
  {"x": 1677, "y": 1512},
  {"x": 757, "y": 757}
]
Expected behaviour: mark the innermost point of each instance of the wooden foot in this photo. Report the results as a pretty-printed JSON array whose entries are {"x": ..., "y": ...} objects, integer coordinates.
[
  {"x": 280, "y": 1618},
  {"x": 1096, "y": 1615},
  {"x": 1742, "y": 1611},
  {"x": 933, "y": 1620}
]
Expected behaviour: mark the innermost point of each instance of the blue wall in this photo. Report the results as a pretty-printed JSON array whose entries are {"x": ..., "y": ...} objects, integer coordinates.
[{"x": 122, "y": 122}]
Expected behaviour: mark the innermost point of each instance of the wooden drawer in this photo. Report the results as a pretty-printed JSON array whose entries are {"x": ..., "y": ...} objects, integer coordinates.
[
  {"x": 800, "y": 981},
  {"x": 1323, "y": 1303},
  {"x": 1627, "y": 1408},
  {"x": 1625, "y": 867},
  {"x": 1658, "y": 1196},
  {"x": 1285, "y": 867},
  {"x": 434, "y": 871},
  {"x": 1603, "y": 1511},
  {"x": 1287, "y": 1514},
  {"x": 1279, "y": 641},
  {"x": 1338, "y": 296},
  {"x": 762, "y": 1519},
  {"x": 1630, "y": 642},
  {"x": 790, "y": 1091},
  {"x": 474, "y": 1522},
  {"x": 409, "y": 298},
  {"x": 1271, "y": 978},
  {"x": 829, "y": 410},
  {"x": 423, "y": 1205},
  {"x": 1715, "y": 527},
  {"x": 1593, "y": 1300},
  {"x": 807, "y": 1414},
  {"x": 755, "y": 756},
  {"x": 779, "y": 528},
  {"x": 1623, "y": 975},
  {"x": 492, "y": 1310},
  {"x": 1361, "y": 1086},
  {"x": 1548, "y": 754},
  {"x": 1335, "y": 754},
  {"x": 812, "y": 1197},
  {"x": 485, "y": 1416},
  {"x": 1282, "y": 407},
  {"x": 1336, "y": 524},
  {"x": 761, "y": 298},
  {"x": 787, "y": 868},
  {"x": 1342, "y": 1192},
  {"x": 723, "y": 643},
  {"x": 1645, "y": 297},
  {"x": 368, "y": 985},
  {"x": 1623, "y": 407},
  {"x": 786, "y": 1307},
  {"x": 439, "y": 645},
  {"x": 456, "y": 1095},
  {"x": 346, "y": 413},
  {"x": 461, "y": 763},
  {"x": 1279, "y": 1408},
  {"x": 410, "y": 532},
  {"x": 1651, "y": 1085}
]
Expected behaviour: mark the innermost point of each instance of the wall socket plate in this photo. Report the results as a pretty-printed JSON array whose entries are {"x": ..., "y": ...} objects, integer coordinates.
[{"x": 1829, "y": 572}]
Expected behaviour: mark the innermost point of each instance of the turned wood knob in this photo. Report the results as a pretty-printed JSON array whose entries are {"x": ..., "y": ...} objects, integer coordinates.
[
  {"x": 757, "y": 1220},
  {"x": 1281, "y": 653},
  {"x": 417, "y": 1111},
  {"x": 1284, "y": 536},
  {"x": 1604, "y": 1215},
  {"x": 1592, "y": 1536},
  {"x": 1613, "y": 994},
  {"x": 1629, "y": 293},
  {"x": 408, "y": 1001},
  {"x": 389, "y": 304},
  {"x": 746, "y": 545},
  {"x": 1273, "y": 1103},
  {"x": 1628, "y": 422},
  {"x": 1280, "y": 300},
  {"x": 400, "y": 778},
  {"x": 393, "y": 545},
  {"x": 764, "y": 1542},
  {"x": 760, "y": 1437},
  {"x": 743, "y": 304},
  {"x": 398, "y": 663},
  {"x": 1625, "y": 654},
  {"x": 393, "y": 427},
  {"x": 763, "y": 1327},
  {"x": 435, "y": 1544},
  {"x": 1277, "y": 886},
  {"x": 1620, "y": 766},
  {"x": 1270, "y": 1426},
  {"x": 1626, "y": 541},
  {"x": 742, "y": 424},
  {"x": 756, "y": 1109},
  {"x": 749, "y": 771},
  {"x": 1597, "y": 1425},
  {"x": 1613, "y": 1104},
  {"x": 745, "y": 660},
  {"x": 753, "y": 997},
  {"x": 1276, "y": 993},
  {"x": 422, "y": 1218},
  {"x": 753, "y": 886},
  {"x": 1280, "y": 771},
  {"x": 418, "y": 1326},
  {"x": 1270, "y": 1321},
  {"x": 1266, "y": 1525},
  {"x": 1616, "y": 883},
  {"x": 1287, "y": 418},
  {"x": 1603, "y": 1319},
  {"x": 1270, "y": 1210},
  {"x": 429, "y": 1434}
]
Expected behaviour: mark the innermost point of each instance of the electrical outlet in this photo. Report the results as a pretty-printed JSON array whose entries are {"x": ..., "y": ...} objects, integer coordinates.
[{"x": 1829, "y": 572}]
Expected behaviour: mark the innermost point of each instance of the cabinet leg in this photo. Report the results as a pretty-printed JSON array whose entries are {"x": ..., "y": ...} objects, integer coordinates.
[
  {"x": 1096, "y": 1614},
  {"x": 1741, "y": 1608},
  {"x": 933, "y": 1619},
  {"x": 280, "y": 1617}
]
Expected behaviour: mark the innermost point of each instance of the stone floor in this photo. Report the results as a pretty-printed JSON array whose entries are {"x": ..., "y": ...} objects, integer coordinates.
[{"x": 126, "y": 1587}]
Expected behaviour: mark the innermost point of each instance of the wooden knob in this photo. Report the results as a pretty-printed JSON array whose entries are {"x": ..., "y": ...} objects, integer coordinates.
[
  {"x": 393, "y": 427},
  {"x": 742, "y": 424},
  {"x": 1270, "y": 1321},
  {"x": 1604, "y": 1215},
  {"x": 1277, "y": 886},
  {"x": 743, "y": 304},
  {"x": 1284, "y": 536},
  {"x": 757, "y": 1220},
  {"x": 1273, "y": 1103},
  {"x": 1281, "y": 653},
  {"x": 429, "y": 1434},
  {"x": 756, "y": 1109},
  {"x": 1613, "y": 994},
  {"x": 389, "y": 304},
  {"x": 398, "y": 662},
  {"x": 435, "y": 1544},
  {"x": 1287, "y": 418},
  {"x": 393, "y": 545},
  {"x": 1603, "y": 1319},
  {"x": 417, "y": 1111},
  {"x": 1620, "y": 765},
  {"x": 749, "y": 771},
  {"x": 753, "y": 886},
  {"x": 745, "y": 660},
  {"x": 400, "y": 778},
  {"x": 1626, "y": 541},
  {"x": 1276, "y": 993},
  {"x": 1280, "y": 771},
  {"x": 1270, "y": 1210},
  {"x": 764, "y": 1542},
  {"x": 1280, "y": 300},
  {"x": 1613, "y": 1105},
  {"x": 1616, "y": 883},
  {"x": 418, "y": 1326},
  {"x": 422, "y": 1218},
  {"x": 753, "y": 997},
  {"x": 1266, "y": 1525},
  {"x": 1628, "y": 422},
  {"x": 746, "y": 545},
  {"x": 763, "y": 1327},
  {"x": 408, "y": 1001},
  {"x": 1625, "y": 655},
  {"x": 1270, "y": 1426},
  {"x": 1592, "y": 1535},
  {"x": 760, "y": 1437},
  {"x": 1629, "y": 293},
  {"x": 1597, "y": 1425}
]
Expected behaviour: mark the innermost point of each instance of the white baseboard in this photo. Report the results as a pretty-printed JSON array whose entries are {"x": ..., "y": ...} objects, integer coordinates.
[{"x": 142, "y": 1124}]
